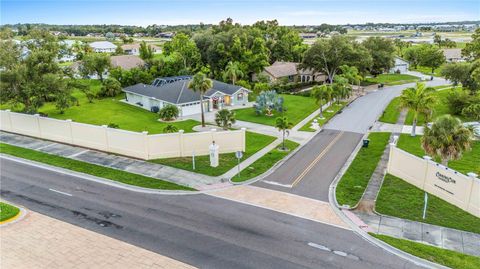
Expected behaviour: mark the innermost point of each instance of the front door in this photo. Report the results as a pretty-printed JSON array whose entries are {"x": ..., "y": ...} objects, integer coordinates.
[
  {"x": 215, "y": 102},
  {"x": 226, "y": 100}
]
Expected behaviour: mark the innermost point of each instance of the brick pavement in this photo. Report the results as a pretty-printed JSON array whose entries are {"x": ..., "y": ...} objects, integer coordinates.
[{"x": 38, "y": 241}]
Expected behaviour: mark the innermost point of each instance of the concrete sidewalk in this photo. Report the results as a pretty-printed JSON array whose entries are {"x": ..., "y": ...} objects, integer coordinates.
[
  {"x": 461, "y": 241},
  {"x": 38, "y": 241}
]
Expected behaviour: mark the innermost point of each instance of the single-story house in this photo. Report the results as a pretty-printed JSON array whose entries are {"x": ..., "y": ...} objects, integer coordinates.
[
  {"x": 134, "y": 49},
  {"x": 400, "y": 66},
  {"x": 127, "y": 62},
  {"x": 176, "y": 92},
  {"x": 103, "y": 46},
  {"x": 291, "y": 72},
  {"x": 453, "y": 55}
]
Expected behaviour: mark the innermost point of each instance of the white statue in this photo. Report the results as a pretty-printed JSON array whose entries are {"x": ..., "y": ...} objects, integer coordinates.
[
  {"x": 213, "y": 154},
  {"x": 315, "y": 124}
]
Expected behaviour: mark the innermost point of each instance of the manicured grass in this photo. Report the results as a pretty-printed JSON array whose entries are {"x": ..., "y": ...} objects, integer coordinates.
[
  {"x": 261, "y": 165},
  {"x": 7, "y": 211},
  {"x": 393, "y": 79},
  {"x": 400, "y": 199},
  {"x": 391, "y": 112},
  {"x": 439, "y": 109},
  {"x": 254, "y": 142},
  {"x": 428, "y": 71},
  {"x": 334, "y": 108},
  {"x": 296, "y": 109},
  {"x": 470, "y": 161},
  {"x": 353, "y": 183},
  {"x": 441, "y": 256},
  {"x": 111, "y": 110},
  {"x": 91, "y": 169}
]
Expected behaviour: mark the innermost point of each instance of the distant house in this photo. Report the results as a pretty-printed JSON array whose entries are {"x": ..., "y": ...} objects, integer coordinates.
[
  {"x": 175, "y": 91},
  {"x": 103, "y": 46},
  {"x": 127, "y": 62},
  {"x": 401, "y": 66},
  {"x": 134, "y": 49},
  {"x": 166, "y": 35},
  {"x": 453, "y": 55},
  {"x": 308, "y": 35},
  {"x": 290, "y": 72}
]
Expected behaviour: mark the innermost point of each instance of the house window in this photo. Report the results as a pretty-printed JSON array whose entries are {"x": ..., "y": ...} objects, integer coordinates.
[{"x": 240, "y": 97}]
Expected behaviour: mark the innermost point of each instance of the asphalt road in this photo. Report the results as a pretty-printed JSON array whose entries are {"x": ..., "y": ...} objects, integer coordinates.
[
  {"x": 312, "y": 169},
  {"x": 200, "y": 230}
]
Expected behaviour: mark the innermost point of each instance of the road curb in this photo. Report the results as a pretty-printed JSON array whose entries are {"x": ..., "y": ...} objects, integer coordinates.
[
  {"x": 337, "y": 209},
  {"x": 20, "y": 216}
]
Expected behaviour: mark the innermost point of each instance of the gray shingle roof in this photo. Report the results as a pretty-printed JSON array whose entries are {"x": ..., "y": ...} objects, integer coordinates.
[{"x": 178, "y": 92}]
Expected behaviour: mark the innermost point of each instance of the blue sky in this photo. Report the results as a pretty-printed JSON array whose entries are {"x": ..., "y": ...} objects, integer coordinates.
[{"x": 299, "y": 12}]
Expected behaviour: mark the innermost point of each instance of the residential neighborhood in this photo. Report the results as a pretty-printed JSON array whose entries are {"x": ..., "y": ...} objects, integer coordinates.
[{"x": 217, "y": 134}]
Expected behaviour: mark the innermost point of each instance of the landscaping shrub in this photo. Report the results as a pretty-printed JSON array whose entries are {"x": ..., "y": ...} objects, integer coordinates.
[
  {"x": 113, "y": 125},
  {"x": 110, "y": 88},
  {"x": 168, "y": 112}
]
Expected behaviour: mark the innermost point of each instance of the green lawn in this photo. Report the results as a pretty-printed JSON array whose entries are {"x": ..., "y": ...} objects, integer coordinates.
[
  {"x": 334, "y": 108},
  {"x": 391, "y": 112},
  {"x": 261, "y": 165},
  {"x": 296, "y": 109},
  {"x": 91, "y": 169},
  {"x": 441, "y": 256},
  {"x": 353, "y": 183},
  {"x": 111, "y": 110},
  {"x": 400, "y": 199},
  {"x": 227, "y": 161},
  {"x": 440, "y": 108},
  {"x": 428, "y": 71},
  {"x": 392, "y": 79},
  {"x": 7, "y": 211},
  {"x": 468, "y": 163}
]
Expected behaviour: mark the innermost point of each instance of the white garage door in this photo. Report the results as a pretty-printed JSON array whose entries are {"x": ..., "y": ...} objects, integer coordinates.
[{"x": 190, "y": 110}]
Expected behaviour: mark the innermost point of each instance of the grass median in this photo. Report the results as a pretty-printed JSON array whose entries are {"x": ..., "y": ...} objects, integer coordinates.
[
  {"x": 254, "y": 142},
  {"x": 400, "y": 199},
  {"x": 328, "y": 113},
  {"x": 441, "y": 256},
  {"x": 8, "y": 211},
  {"x": 261, "y": 165},
  {"x": 391, "y": 112},
  {"x": 353, "y": 183},
  {"x": 91, "y": 169}
]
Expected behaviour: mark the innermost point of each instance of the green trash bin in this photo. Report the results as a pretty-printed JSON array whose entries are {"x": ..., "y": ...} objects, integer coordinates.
[{"x": 366, "y": 142}]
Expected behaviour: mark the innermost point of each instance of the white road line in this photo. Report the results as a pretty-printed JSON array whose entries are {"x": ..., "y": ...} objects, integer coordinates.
[
  {"x": 61, "y": 192},
  {"x": 277, "y": 184},
  {"x": 318, "y": 246}
]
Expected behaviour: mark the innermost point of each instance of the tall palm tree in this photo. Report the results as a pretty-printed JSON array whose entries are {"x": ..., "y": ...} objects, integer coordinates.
[
  {"x": 418, "y": 99},
  {"x": 283, "y": 125},
  {"x": 322, "y": 95},
  {"x": 201, "y": 84},
  {"x": 447, "y": 139},
  {"x": 225, "y": 118},
  {"x": 233, "y": 72}
]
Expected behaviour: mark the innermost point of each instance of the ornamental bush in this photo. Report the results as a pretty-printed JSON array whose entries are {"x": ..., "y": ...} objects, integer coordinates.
[{"x": 168, "y": 112}]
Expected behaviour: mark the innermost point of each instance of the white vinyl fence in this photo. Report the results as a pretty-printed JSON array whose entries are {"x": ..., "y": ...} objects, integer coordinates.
[
  {"x": 133, "y": 144},
  {"x": 458, "y": 189}
]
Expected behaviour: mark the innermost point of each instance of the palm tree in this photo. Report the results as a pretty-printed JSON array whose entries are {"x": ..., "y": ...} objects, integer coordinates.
[
  {"x": 447, "y": 139},
  {"x": 351, "y": 74},
  {"x": 233, "y": 72},
  {"x": 283, "y": 125},
  {"x": 418, "y": 99},
  {"x": 170, "y": 129},
  {"x": 225, "y": 118},
  {"x": 322, "y": 94},
  {"x": 200, "y": 83}
]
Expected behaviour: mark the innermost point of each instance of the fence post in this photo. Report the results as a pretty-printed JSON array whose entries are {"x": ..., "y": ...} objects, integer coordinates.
[
  {"x": 244, "y": 138},
  {"x": 70, "y": 128},
  {"x": 180, "y": 141},
  {"x": 9, "y": 113},
  {"x": 145, "y": 145},
  {"x": 105, "y": 130},
  {"x": 427, "y": 163},
  {"x": 472, "y": 177},
  {"x": 37, "y": 116}
]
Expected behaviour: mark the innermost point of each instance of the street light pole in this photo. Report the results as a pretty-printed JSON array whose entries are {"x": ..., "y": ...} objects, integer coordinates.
[{"x": 425, "y": 205}]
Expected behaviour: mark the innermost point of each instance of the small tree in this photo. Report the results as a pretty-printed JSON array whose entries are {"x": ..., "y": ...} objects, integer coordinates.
[
  {"x": 447, "y": 139},
  {"x": 201, "y": 84},
  {"x": 420, "y": 100},
  {"x": 110, "y": 88},
  {"x": 225, "y": 118},
  {"x": 322, "y": 95},
  {"x": 233, "y": 72},
  {"x": 268, "y": 102},
  {"x": 95, "y": 64},
  {"x": 283, "y": 125},
  {"x": 168, "y": 112},
  {"x": 63, "y": 101},
  {"x": 170, "y": 129},
  {"x": 146, "y": 51}
]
